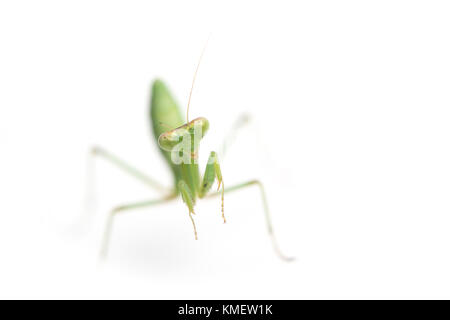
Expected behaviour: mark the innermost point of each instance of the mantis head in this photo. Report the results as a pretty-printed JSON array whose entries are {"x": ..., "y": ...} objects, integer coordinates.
[{"x": 190, "y": 133}]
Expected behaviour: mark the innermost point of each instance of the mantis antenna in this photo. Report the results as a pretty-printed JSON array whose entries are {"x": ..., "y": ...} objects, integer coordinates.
[{"x": 193, "y": 80}]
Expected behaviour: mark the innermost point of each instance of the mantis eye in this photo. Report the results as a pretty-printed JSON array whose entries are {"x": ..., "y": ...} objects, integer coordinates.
[{"x": 168, "y": 140}]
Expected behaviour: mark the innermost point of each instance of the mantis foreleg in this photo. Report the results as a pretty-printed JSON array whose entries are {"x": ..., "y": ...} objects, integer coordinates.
[
  {"x": 186, "y": 195},
  {"x": 212, "y": 172}
]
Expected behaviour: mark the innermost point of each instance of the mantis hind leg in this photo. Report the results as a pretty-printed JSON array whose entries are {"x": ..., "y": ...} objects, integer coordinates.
[
  {"x": 266, "y": 213},
  {"x": 130, "y": 170},
  {"x": 121, "y": 208}
]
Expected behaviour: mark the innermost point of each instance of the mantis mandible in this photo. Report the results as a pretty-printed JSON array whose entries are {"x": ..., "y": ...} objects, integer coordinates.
[{"x": 178, "y": 142}]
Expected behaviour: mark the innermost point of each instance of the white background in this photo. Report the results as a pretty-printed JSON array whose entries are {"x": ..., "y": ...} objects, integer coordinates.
[{"x": 350, "y": 134}]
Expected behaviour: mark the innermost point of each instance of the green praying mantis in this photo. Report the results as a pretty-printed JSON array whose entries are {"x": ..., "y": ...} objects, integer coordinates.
[{"x": 178, "y": 141}]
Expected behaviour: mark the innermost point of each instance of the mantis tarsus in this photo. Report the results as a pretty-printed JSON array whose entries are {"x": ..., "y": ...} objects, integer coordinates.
[{"x": 179, "y": 140}]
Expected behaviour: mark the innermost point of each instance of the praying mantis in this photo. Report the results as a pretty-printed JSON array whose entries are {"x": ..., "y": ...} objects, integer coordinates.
[{"x": 178, "y": 139}]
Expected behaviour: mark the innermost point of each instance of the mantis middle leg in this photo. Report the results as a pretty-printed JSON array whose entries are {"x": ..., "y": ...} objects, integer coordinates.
[
  {"x": 266, "y": 212},
  {"x": 121, "y": 208}
]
